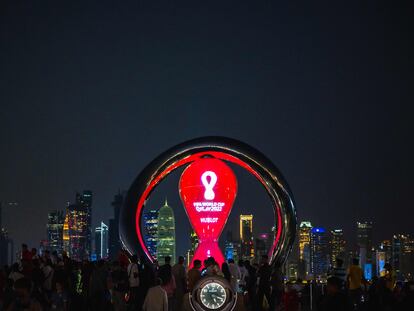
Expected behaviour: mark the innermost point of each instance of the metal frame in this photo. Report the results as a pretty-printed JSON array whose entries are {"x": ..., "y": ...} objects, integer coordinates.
[{"x": 232, "y": 150}]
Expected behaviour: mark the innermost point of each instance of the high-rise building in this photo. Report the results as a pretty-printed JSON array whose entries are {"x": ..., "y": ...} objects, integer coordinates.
[
  {"x": 386, "y": 247},
  {"x": 338, "y": 245},
  {"x": 78, "y": 231},
  {"x": 101, "y": 241},
  {"x": 364, "y": 242},
  {"x": 231, "y": 247},
  {"x": 114, "y": 241},
  {"x": 55, "y": 221},
  {"x": 84, "y": 201},
  {"x": 246, "y": 237},
  {"x": 304, "y": 268},
  {"x": 193, "y": 246},
  {"x": 319, "y": 251},
  {"x": 3, "y": 243},
  {"x": 151, "y": 231},
  {"x": 403, "y": 256},
  {"x": 166, "y": 233},
  {"x": 6, "y": 243},
  {"x": 65, "y": 234}
]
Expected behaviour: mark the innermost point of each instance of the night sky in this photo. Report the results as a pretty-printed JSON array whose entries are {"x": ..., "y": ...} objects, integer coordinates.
[{"x": 91, "y": 91}]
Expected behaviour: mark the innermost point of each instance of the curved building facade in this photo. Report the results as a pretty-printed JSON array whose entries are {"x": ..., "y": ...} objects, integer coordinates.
[{"x": 166, "y": 233}]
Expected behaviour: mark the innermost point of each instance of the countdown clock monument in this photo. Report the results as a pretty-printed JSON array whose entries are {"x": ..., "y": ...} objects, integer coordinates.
[{"x": 208, "y": 188}]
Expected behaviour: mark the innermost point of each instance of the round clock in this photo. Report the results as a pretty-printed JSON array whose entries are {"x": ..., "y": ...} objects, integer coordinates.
[{"x": 213, "y": 293}]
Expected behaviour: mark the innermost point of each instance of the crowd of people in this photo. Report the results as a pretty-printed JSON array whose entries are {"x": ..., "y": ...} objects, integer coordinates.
[
  {"x": 55, "y": 282},
  {"x": 347, "y": 289}
]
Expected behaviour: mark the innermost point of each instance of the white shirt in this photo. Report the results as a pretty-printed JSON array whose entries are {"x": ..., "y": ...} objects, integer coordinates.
[
  {"x": 156, "y": 300},
  {"x": 133, "y": 269}
]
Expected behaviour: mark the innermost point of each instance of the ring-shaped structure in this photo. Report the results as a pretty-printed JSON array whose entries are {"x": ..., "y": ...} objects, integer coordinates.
[{"x": 226, "y": 149}]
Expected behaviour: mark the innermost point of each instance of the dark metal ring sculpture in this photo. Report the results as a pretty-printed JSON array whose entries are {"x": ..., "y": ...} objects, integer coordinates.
[{"x": 226, "y": 149}]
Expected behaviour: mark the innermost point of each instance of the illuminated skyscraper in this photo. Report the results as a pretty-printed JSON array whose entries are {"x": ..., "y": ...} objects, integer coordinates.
[
  {"x": 84, "y": 200},
  {"x": 78, "y": 233},
  {"x": 246, "y": 237},
  {"x": 194, "y": 244},
  {"x": 54, "y": 228},
  {"x": 65, "y": 234},
  {"x": 319, "y": 251},
  {"x": 305, "y": 228},
  {"x": 101, "y": 241},
  {"x": 166, "y": 233},
  {"x": 113, "y": 240},
  {"x": 79, "y": 226},
  {"x": 386, "y": 247},
  {"x": 231, "y": 247},
  {"x": 151, "y": 231},
  {"x": 403, "y": 256},
  {"x": 364, "y": 242},
  {"x": 338, "y": 245}
]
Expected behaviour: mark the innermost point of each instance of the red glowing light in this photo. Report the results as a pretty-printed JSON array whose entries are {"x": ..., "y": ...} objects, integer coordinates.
[{"x": 208, "y": 188}]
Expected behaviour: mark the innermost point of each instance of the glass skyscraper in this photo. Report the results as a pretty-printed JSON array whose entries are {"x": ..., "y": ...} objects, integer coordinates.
[
  {"x": 338, "y": 244},
  {"x": 54, "y": 227},
  {"x": 151, "y": 231},
  {"x": 166, "y": 233},
  {"x": 305, "y": 228},
  {"x": 364, "y": 241},
  {"x": 79, "y": 230},
  {"x": 403, "y": 256},
  {"x": 319, "y": 252},
  {"x": 194, "y": 244},
  {"x": 246, "y": 237},
  {"x": 84, "y": 200},
  {"x": 65, "y": 234}
]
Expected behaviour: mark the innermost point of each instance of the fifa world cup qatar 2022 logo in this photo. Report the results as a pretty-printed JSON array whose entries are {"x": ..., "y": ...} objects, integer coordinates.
[{"x": 208, "y": 188}]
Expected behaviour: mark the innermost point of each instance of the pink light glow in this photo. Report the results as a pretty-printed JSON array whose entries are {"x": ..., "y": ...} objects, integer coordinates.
[{"x": 208, "y": 188}]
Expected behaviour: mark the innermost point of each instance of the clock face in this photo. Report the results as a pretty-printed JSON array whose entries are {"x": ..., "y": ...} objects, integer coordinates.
[{"x": 213, "y": 295}]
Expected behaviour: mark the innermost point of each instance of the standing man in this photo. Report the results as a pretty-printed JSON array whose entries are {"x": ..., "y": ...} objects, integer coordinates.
[
  {"x": 355, "y": 280},
  {"x": 180, "y": 275},
  {"x": 168, "y": 284},
  {"x": 235, "y": 275},
  {"x": 133, "y": 279},
  {"x": 194, "y": 274},
  {"x": 263, "y": 281},
  {"x": 244, "y": 275}
]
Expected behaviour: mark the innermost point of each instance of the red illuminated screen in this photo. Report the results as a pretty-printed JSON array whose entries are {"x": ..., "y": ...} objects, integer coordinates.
[{"x": 208, "y": 188}]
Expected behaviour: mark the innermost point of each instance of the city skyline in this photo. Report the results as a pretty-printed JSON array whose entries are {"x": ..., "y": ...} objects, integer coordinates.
[
  {"x": 314, "y": 252},
  {"x": 351, "y": 236},
  {"x": 323, "y": 91}
]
